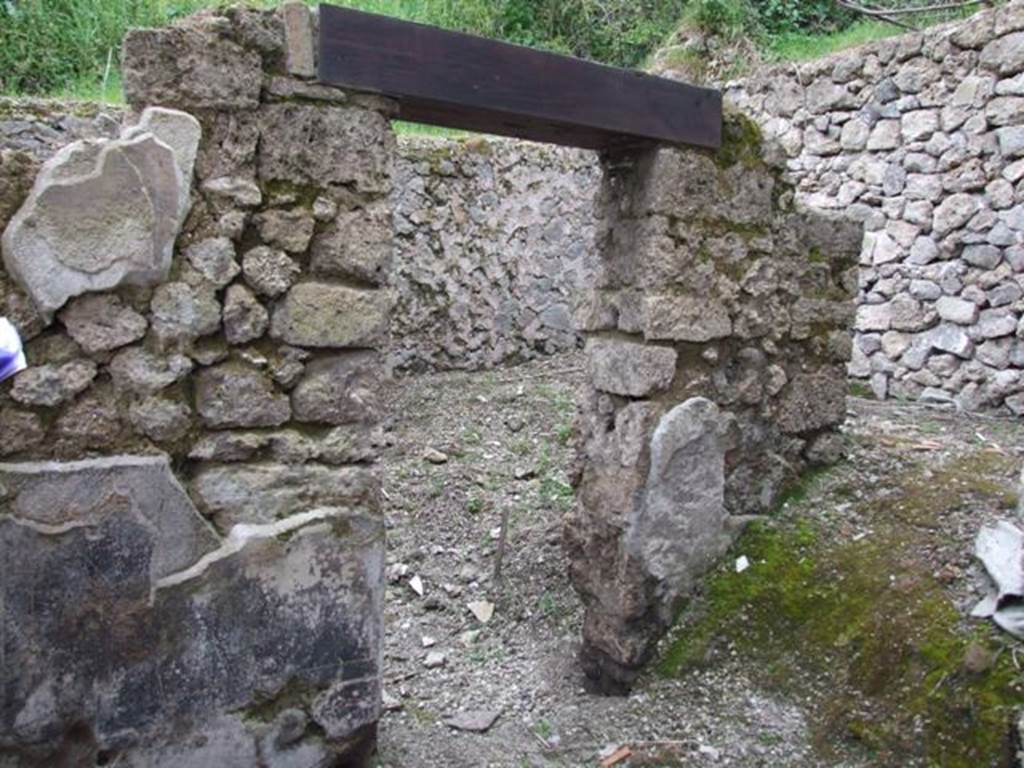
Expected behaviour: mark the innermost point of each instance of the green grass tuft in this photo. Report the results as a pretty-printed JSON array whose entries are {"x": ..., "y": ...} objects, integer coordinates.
[{"x": 797, "y": 46}]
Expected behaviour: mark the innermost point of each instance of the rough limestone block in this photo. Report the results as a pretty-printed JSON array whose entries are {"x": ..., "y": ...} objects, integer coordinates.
[
  {"x": 236, "y": 395},
  {"x": 1005, "y": 55},
  {"x": 325, "y": 315},
  {"x": 191, "y": 67},
  {"x": 159, "y": 419},
  {"x": 356, "y": 244},
  {"x": 630, "y": 368},
  {"x": 214, "y": 259},
  {"x": 813, "y": 401},
  {"x": 675, "y": 317},
  {"x": 956, "y": 310},
  {"x": 245, "y": 319},
  {"x": 183, "y": 312},
  {"x": 144, "y": 604},
  {"x": 52, "y": 384},
  {"x": 340, "y": 389},
  {"x": 300, "y": 52},
  {"x": 322, "y": 145},
  {"x": 99, "y": 216},
  {"x": 1011, "y": 141},
  {"x": 268, "y": 271},
  {"x": 139, "y": 371},
  {"x": 290, "y": 231},
  {"x": 100, "y": 323}
]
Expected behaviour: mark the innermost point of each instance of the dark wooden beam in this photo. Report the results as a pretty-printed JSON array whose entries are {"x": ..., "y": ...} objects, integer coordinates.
[{"x": 462, "y": 81}]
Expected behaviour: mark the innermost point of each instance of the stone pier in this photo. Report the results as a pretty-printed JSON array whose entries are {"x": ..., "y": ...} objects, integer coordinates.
[{"x": 717, "y": 339}]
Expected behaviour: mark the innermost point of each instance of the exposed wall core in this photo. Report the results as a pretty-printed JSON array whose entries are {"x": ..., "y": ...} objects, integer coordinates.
[{"x": 189, "y": 494}]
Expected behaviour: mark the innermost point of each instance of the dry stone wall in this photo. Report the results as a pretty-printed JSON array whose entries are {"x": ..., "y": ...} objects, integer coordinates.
[
  {"x": 921, "y": 138},
  {"x": 717, "y": 341},
  {"x": 189, "y": 508},
  {"x": 494, "y": 241}
]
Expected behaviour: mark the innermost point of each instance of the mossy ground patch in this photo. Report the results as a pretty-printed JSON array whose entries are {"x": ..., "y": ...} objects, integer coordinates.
[{"x": 863, "y": 626}]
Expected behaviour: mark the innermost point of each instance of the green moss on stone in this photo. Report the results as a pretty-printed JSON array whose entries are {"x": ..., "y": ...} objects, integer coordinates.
[
  {"x": 304, "y": 195},
  {"x": 741, "y": 142},
  {"x": 866, "y": 625}
]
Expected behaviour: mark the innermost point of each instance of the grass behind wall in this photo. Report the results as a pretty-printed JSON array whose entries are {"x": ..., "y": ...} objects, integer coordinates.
[
  {"x": 62, "y": 47},
  {"x": 797, "y": 46},
  {"x": 50, "y": 47},
  {"x": 70, "y": 48}
]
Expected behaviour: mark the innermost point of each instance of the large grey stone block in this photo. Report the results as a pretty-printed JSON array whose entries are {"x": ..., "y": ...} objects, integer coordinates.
[
  {"x": 326, "y": 315},
  {"x": 237, "y": 395},
  {"x": 193, "y": 67},
  {"x": 323, "y": 145},
  {"x": 104, "y": 213},
  {"x": 673, "y": 317},
  {"x": 680, "y": 530},
  {"x": 126, "y": 619},
  {"x": 630, "y": 368},
  {"x": 340, "y": 389}
]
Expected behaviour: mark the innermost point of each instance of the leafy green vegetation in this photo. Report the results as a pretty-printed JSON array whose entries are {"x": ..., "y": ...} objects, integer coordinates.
[
  {"x": 865, "y": 623},
  {"x": 72, "y": 46},
  {"x": 763, "y": 19}
]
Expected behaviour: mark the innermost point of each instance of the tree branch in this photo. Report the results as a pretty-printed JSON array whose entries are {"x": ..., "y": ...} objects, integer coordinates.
[
  {"x": 931, "y": 8},
  {"x": 875, "y": 14}
]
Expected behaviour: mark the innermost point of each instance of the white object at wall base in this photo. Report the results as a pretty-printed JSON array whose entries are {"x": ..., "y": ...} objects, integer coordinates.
[{"x": 12, "y": 356}]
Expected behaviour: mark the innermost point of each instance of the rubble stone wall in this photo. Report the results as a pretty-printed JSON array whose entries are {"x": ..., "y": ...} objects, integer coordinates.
[
  {"x": 921, "y": 138},
  {"x": 190, "y": 521},
  {"x": 717, "y": 343},
  {"x": 189, "y": 499},
  {"x": 494, "y": 240}
]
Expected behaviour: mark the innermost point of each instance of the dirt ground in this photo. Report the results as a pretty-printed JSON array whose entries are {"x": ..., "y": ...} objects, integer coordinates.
[{"x": 732, "y": 687}]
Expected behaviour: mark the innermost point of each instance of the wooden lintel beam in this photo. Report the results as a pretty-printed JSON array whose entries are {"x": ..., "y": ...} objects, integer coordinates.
[{"x": 462, "y": 81}]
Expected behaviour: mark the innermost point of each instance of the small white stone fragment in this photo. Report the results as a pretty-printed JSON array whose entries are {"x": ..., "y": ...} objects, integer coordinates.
[
  {"x": 434, "y": 659},
  {"x": 435, "y": 456},
  {"x": 709, "y": 752},
  {"x": 416, "y": 585},
  {"x": 482, "y": 609},
  {"x": 742, "y": 563}
]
